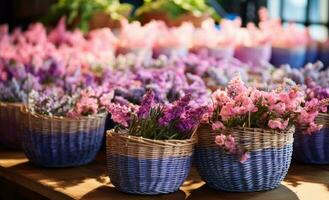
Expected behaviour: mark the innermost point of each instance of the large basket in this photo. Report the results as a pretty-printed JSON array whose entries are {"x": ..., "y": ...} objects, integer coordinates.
[
  {"x": 62, "y": 142},
  {"x": 11, "y": 125},
  {"x": 143, "y": 166},
  {"x": 270, "y": 156},
  {"x": 313, "y": 148}
]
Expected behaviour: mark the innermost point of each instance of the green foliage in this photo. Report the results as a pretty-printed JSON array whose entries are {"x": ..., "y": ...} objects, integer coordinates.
[
  {"x": 176, "y": 8},
  {"x": 79, "y": 12}
]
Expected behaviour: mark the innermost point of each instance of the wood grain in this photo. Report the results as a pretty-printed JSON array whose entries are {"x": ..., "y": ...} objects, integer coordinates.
[{"x": 91, "y": 182}]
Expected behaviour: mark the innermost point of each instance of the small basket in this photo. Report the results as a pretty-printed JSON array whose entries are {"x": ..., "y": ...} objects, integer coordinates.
[
  {"x": 313, "y": 148},
  {"x": 295, "y": 57},
  {"x": 62, "y": 142},
  {"x": 143, "y": 166},
  {"x": 11, "y": 125},
  {"x": 270, "y": 156}
]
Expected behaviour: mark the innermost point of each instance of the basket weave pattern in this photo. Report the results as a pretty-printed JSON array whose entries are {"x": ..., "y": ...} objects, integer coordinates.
[
  {"x": 313, "y": 148},
  {"x": 143, "y": 166},
  {"x": 62, "y": 142},
  {"x": 270, "y": 156},
  {"x": 10, "y": 125}
]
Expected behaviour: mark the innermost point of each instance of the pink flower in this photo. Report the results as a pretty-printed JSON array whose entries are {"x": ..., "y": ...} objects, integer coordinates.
[
  {"x": 220, "y": 139},
  {"x": 236, "y": 87},
  {"x": 230, "y": 144},
  {"x": 217, "y": 126},
  {"x": 280, "y": 108},
  {"x": 313, "y": 127},
  {"x": 227, "y": 111},
  {"x": 220, "y": 98},
  {"x": 244, "y": 157},
  {"x": 278, "y": 124}
]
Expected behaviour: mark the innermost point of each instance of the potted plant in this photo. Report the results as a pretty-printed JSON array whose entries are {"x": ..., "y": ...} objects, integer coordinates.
[
  {"x": 174, "y": 13},
  {"x": 86, "y": 14},
  {"x": 246, "y": 143},
  {"x": 157, "y": 140},
  {"x": 61, "y": 130}
]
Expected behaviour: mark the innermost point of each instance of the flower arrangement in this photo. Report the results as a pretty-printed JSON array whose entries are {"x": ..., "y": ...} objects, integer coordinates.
[
  {"x": 87, "y": 102},
  {"x": 158, "y": 121},
  {"x": 16, "y": 83},
  {"x": 240, "y": 106}
]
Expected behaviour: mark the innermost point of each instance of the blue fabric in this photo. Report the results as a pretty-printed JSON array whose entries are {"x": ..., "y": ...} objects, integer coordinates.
[
  {"x": 264, "y": 170},
  {"x": 148, "y": 176},
  {"x": 312, "y": 148},
  {"x": 62, "y": 149}
]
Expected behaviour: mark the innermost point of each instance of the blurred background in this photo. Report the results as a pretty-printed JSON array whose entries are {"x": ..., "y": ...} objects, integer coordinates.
[{"x": 312, "y": 13}]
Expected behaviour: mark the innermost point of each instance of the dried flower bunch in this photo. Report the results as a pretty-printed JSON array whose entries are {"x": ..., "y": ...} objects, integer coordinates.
[
  {"x": 86, "y": 102},
  {"x": 158, "y": 121}
]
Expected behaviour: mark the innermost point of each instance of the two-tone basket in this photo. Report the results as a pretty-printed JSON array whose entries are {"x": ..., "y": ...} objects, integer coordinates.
[
  {"x": 313, "y": 148},
  {"x": 62, "y": 142},
  {"x": 270, "y": 156},
  {"x": 11, "y": 125},
  {"x": 143, "y": 166}
]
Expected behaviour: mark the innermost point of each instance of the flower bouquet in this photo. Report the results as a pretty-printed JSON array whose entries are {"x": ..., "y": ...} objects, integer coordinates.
[
  {"x": 63, "y": 130},
  {"x": 246, "y": 142},
  {"x": 157, "y": 140},
  {"x": 313, "y": 146},
  {"x": 15, "y": 85}
]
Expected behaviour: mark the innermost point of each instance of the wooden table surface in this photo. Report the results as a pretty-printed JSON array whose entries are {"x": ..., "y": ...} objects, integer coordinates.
[{"x": 303, "y": 182}]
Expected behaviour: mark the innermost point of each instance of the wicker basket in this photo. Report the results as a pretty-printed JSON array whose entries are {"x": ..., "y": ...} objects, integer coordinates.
[
  {"x": 313, "y": 148},
  {"x": 143, "y": 166},
  {"x": 62, "y": 142},
  {"x": 270, "y": 156},
  {"x": 254, "y": 56},
  {"x": 11, "y": 125}
]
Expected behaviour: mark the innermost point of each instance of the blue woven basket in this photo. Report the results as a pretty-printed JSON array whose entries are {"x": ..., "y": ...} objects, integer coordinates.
[
  {"x": 149, "y": 167},
  {"x": 313, "y": 148},
  {"x": 270, "y": 156},
  {"x": 295, "y": 57},
  {"x": 62, "y": 142}
]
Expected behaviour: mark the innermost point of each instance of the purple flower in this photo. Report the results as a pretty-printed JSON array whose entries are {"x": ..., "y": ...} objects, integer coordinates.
[
  {"x": 175, "y": 111},
  {"x": 191, "y": 119},
  {"x": 147, "y": 102}
]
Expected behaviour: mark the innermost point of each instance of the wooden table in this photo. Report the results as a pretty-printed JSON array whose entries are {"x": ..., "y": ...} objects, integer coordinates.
[{"x": 303, "y": 182}]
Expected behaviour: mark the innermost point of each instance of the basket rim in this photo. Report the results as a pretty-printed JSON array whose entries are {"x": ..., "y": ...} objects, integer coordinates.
[
  {"x": 153, "y": 142},
  {"x": 27, "y": 112},
  {"x": 261, "y": 130},
  {"x": 11, "y": 104}
]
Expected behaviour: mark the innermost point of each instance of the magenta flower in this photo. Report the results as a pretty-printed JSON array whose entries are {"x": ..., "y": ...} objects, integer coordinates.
[
  {"x": 147, "y": 103},
  {"x": 191, "y": 119},
  {"x": 175, "y": 111},
  {"x": 120, "y": 114}
]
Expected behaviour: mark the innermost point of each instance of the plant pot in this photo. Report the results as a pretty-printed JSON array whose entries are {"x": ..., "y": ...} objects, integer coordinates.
[
  {"x": 295, "y": 57},
  {"x": 270, "y": 155},
  {"x": 254, "y": 56},
  {"x": 173, "y": 22},
  {"x": 313, "y": 148},
  {"x": 62, "y": 142},
  {"x": 143, "y": 166},
  {"x": 323, "y": 55},
  {"x": 311, "y": 55},
  {"x": 11, "y": 125}
]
